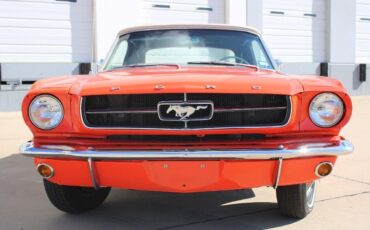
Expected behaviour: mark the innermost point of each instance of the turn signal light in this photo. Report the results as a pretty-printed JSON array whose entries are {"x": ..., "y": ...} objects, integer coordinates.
[
  {"x": 324, "y": 169},
  {"x": 46, "y": 171}
]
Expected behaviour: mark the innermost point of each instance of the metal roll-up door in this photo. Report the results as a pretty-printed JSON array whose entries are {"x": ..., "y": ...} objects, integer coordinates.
[
  {"x": 182, "y": 11},
  {"x": 295, "y": 31},
  {"x": 363, "y": 31},
  {"x": 45, "y": 31}
]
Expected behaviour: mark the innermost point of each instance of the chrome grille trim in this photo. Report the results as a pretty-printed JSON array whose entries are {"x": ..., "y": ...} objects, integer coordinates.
[
  {"x": 219, "y": 110},
  {"x": 120, "y": 111},
  {"x": 230, "y": 110}
]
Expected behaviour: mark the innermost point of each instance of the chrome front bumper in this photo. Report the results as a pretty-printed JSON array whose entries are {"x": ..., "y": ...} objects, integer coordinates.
[{"x": 342, "y": 147}]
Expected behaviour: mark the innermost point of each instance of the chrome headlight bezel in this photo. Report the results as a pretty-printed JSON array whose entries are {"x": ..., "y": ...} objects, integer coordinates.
[
  {"x": 54, "y": 102},
  {"x": 326, "y": 100}
]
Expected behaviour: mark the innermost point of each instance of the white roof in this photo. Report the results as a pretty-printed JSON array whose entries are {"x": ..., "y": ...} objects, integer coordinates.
[{"x": 189, "y": 26}]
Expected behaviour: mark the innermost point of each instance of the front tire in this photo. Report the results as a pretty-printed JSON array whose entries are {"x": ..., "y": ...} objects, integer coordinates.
[
  {"x": 296, "y": 201},
  {"x": 71, "y": 199}
]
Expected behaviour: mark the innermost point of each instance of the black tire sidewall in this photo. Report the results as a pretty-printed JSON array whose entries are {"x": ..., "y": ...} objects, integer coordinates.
[
  {"x": 73, "y": 199},
  {"x": 292, "y": 200}
]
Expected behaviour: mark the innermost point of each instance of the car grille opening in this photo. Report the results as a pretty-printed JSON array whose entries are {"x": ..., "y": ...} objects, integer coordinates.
[
  {"x": 140, "y": 111},
  {"x": 186, "y": 138}
]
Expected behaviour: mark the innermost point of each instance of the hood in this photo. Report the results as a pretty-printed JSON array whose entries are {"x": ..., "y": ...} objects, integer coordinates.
[
  {"x": 62, "y": 83},
  {"x": 316, "y": 83},
  {"x": 165, "y": 79}
]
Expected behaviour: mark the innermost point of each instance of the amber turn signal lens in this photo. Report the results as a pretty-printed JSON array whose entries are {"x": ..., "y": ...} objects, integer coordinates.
[
  {"x": 324, "y": 169},
  {"x": 46, "y": 171}
]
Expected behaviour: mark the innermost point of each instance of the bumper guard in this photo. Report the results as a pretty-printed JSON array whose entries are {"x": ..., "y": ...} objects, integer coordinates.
[
  {"x": 342, "y": 147},
  {"x": 308, "y": 150}
]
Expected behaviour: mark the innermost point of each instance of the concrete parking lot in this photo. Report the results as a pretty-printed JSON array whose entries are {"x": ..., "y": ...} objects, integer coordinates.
[{"x": 342, "y": 202}]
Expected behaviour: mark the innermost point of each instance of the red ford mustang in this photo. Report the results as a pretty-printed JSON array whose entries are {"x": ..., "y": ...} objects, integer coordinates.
[{"x": 186, "y": 108}]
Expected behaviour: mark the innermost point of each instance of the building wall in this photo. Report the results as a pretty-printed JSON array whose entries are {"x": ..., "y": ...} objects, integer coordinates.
[
  {"x": 347, "y": 38},
  {"x": 62, "y": 37},
  {"x": 34, "y": 31},
  {"x": 362, "y": 31},
  {"x": 119, "y": 15},
  {"x": 41, "y": 38}
]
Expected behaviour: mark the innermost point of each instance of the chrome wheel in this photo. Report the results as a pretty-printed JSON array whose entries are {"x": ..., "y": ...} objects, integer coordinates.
[{"x": 310, "y": 194}]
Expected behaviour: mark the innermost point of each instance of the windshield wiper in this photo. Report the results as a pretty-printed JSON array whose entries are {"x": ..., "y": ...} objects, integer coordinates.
[
  {"x": 222, "y": 63},
  {"x": 144, "y": 65}
]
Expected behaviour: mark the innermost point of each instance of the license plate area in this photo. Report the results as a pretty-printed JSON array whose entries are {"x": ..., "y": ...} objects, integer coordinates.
[{"x": 183, "y": 175}]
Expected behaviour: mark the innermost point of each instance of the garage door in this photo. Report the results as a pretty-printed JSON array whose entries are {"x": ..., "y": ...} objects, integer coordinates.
[
  {"x": 363, "y": 31},
  {"x": 45, "y": 31},
  {"x": 295, "y": 31},
  {"x": 183, "y": 11}
]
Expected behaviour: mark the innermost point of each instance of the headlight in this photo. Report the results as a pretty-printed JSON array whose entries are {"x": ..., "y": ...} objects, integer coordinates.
[
  {"x": 46, "y": 112},
  {"x": 326, "y": 110}
]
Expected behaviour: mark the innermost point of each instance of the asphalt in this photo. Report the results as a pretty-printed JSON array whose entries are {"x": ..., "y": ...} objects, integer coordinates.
[{"x": 342, "y": 202}]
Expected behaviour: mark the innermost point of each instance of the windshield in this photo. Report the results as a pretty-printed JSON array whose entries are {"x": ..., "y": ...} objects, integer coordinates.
[{"x": 188, "y": 47}]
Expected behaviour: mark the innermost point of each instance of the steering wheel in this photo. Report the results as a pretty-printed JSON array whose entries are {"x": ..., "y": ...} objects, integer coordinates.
[{"x": 241, "y": 60}]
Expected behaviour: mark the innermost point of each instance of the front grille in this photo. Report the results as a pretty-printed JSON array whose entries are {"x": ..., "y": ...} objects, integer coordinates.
[
  {"x": 141, "y": 111},
  {"x": 187, "y": 138}
]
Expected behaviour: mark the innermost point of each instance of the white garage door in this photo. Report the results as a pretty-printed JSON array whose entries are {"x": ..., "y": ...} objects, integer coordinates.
[
  {"x": 182, "y": 11},
  {"x": 363, "y": 31},
  {"x": 295, "y": 31},
  {"x": 45, "y": 31}
]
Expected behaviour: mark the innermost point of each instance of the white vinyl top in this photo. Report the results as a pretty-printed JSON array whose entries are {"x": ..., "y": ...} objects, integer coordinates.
[{"x": 189, "y": 26}]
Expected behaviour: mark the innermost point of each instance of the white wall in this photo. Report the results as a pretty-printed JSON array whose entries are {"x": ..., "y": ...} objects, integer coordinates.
[
  {"x": 362, "y": 31},
  {"x": 254, "y": 14},
  {"x": 342, "y": 31},
  {"x": 295, "y": 31},
  {"x": 112, "y": 16},
  {"x": 115, "y": 15},
  {"x": 235, "y": 11},
  {"x": 182, "y": 11},
  {"x": 45, "y": 31}
]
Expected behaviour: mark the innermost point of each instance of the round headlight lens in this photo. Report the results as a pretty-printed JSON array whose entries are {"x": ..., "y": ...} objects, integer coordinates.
[
  {"x": 46, "y": 112},
  {"x": 326, "y": 110}
]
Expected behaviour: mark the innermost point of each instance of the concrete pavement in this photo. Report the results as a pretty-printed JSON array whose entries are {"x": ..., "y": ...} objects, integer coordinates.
[
  {"x": 342, "y": 202},
  {"x": 13, "y": 132}
]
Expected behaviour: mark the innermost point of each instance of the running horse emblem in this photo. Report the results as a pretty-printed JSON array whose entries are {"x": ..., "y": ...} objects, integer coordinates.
[{"x": 184, "y": 112}]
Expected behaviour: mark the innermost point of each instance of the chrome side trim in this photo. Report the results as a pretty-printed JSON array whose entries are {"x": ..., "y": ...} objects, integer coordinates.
[
  {"x": 278, "y": 173},
  {"x": 186, "y": 128},
  {"x": 92, "y": 173},
  {"x": 308, "y": 150}
]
